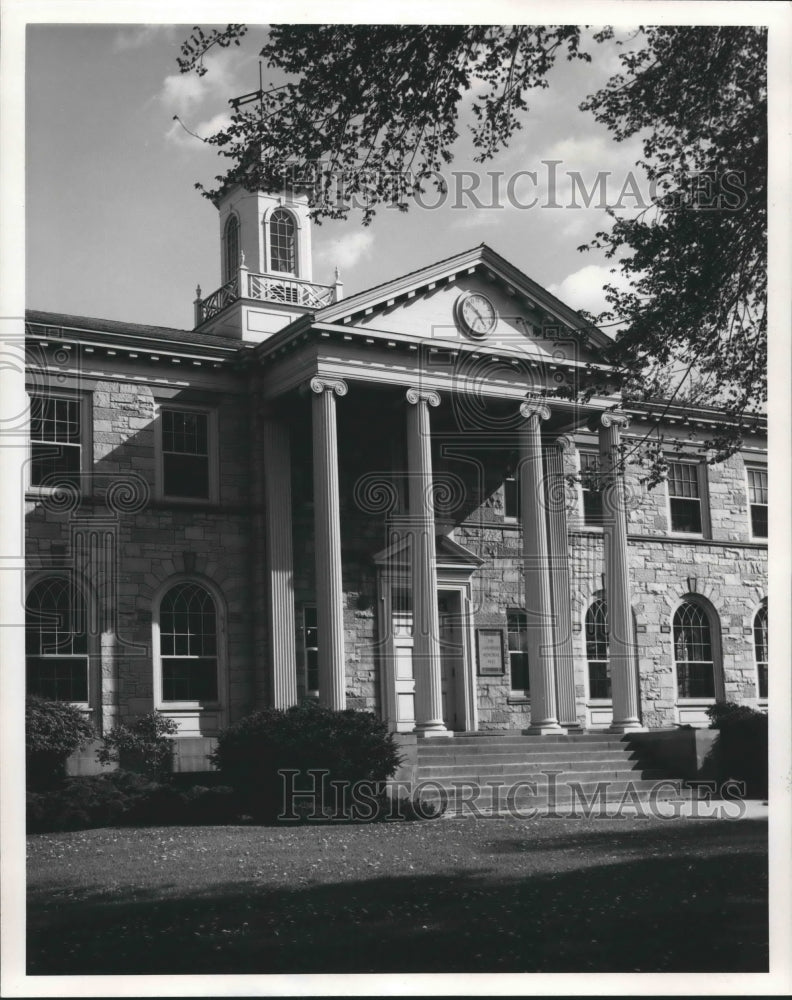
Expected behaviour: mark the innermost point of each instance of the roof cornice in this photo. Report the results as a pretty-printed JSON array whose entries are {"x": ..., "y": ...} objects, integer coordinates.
[{"x": 482, "y": 256}]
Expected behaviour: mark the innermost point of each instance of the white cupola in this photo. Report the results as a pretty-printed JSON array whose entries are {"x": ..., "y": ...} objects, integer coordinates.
[
  {"x": 271, "y": 234},
  {"x": 265, "y": 267}
]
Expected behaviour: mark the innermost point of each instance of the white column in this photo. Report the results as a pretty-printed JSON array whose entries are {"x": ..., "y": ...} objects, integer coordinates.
[
  {"x": 558, "y": 548},
  {"x": 426, "y": 619},
  {"x": 536, "y": 568},
  {"x": 624, "y": 682},
  {"x": 275, "y": 458},
  {"x": 327, "y": 531}
]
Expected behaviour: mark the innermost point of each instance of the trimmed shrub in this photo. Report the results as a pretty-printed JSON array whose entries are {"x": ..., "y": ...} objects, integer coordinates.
[
  {"x": 740, "y": 751},
  {"x": 125, "y": 798},
  {"x": 99, "y": 800},
  {"x": 347, "y": 746},
  {"x": 143, "y": 745},
  {"x": 53, "y": 731}
]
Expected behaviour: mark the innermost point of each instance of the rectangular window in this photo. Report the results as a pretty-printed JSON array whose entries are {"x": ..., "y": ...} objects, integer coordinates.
[
  {"x": 517, "y": 629},
  {"x": 589, "y": 485},
  {"x": 189, "y": 679},
  {"x": 185, "y": 454},
  {"x": 511, "y": 498},
  {"x": 684, "y": 495},
  {"x": 757, "y": 498},
  {"x": 58, "y": 679},
  {"x": 311, "y": 638},
  {"x": 55, "y": 440}
]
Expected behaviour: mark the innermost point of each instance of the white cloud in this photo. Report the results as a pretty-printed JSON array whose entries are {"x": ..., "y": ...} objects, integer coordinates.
[
  {"x": 583, "y": 289},
  {"x": 346, "y": 251},
  {"x": 185, "y": 92},
  {"x": 140, "y": 35}
]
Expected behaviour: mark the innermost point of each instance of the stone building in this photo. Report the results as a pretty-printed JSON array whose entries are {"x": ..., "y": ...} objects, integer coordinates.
[{"x": 390, "y": 502}]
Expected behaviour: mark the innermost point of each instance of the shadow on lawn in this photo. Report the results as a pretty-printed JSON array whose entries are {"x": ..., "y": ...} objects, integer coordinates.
[
  {"x": 720, "y": 835},
  {"x": 687, "y": 912}
]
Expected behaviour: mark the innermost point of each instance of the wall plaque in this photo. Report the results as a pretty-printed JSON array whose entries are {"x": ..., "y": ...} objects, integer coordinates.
[{"x": 489, "y": 647}]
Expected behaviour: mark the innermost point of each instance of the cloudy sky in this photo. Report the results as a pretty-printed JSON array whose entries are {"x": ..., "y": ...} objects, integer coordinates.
[{"x": 116, "y": 229}]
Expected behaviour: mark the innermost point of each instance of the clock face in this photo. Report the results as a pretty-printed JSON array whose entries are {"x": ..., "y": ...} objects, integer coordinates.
[{"x": 477, "y": 314}]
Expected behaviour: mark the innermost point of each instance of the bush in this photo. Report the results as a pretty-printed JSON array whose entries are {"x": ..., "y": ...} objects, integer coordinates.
[
  {"x": 349, "y": 746},
  {"x": 125, "y": 798},
  {"x": 145, "y": 743},
  {"x": 53, "y": 730},
  {"x": 740, "y": 751},
  {"x": 217, "y": 805},
  {"x": 99, "y": 800}
]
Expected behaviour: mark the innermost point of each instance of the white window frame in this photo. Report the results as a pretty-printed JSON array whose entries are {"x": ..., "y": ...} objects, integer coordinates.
[
  {"x": 713, "y": 621},
  {"x": 213, "y": 458},
  {"x": 84, "y": 401},
  {"x": 762, "y": 698},
  {"x": 509, "y": 518},
  {"x": 748, "y": 470},
  {"x": 176, "y": 707},
  {"x": 590, "y": 699},
  {"x": 231, "y": 268},
  {"x": 524, "y": 692},
  {"x": 703, "y": 499},
  {"x": 295, "y": 274},
  {"x": 91, "y": 656},
  {"x": 582, "y": 490},
  {"x": 311, "y": 692}
]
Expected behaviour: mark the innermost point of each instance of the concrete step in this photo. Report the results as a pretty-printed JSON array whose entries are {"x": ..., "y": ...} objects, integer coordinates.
[
  {"x": 511, "y": 734},
  {"x": 482, "y": 776},
  {"x": 476, "y": 769},
  {"x": 603, "y": 751},
  {"x": 512, "y": 797}
]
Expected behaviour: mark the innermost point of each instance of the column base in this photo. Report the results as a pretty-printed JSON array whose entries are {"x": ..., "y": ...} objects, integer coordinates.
[
  {"x": 431, "y": 730},
  {"x": 627, "y": 727},
  {"x": 550, "y": 729}
]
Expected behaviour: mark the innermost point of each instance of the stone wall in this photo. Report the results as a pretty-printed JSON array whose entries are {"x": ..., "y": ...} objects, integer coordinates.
[{"x": 132, "y": 544}]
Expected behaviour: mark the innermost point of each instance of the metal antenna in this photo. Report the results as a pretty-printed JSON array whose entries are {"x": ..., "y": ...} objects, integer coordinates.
[{"x": 254, "y": 95}]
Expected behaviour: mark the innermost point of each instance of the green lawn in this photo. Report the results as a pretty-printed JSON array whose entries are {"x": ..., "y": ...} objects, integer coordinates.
[{"x": 465, "y": 895}]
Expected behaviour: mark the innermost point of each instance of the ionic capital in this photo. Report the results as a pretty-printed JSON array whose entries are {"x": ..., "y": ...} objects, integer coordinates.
[
  {"x": 319, "y": 384},
  {"x": 611, "y": 419},
  {"x": 423, "y": 396},
  {"x": 535, "y": 408},
  {"x": 565, "y": 444}
]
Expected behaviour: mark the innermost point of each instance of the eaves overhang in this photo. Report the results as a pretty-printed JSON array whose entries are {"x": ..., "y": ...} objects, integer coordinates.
[
  {"x": 312, "y": 330},
  {"x": 133, "y": 344}
]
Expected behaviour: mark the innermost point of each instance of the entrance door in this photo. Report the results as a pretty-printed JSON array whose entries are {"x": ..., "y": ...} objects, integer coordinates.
[{"x": 452, "y": 656}]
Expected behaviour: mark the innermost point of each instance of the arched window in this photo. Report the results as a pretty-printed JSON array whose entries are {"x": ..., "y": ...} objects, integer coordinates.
[
  {"x": 56, "y": 641},
  {"x": 693, "y": 652},
  {"x": 597, "y": 650},
  {"x": 283, "y": 243},
  {"x": 760, "y": 648},
  {"x": 188, "y": 644},
  {"x": 230, "y": 249}
]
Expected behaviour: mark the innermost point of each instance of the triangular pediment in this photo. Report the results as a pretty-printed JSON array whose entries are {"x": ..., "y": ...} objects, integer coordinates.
[
  {"x": 448, "y": 553},
  {"x": 425, "y": 304}
]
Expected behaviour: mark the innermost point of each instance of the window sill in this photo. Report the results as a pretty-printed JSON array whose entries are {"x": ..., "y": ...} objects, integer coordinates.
[
  {"x": 189, "y": 706},
  {"x": 685, "y": 535},
  {"x": 518, "y": 698},
  {"x": 189, "y": 501},
  {"x": 696, "y": 701}
]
